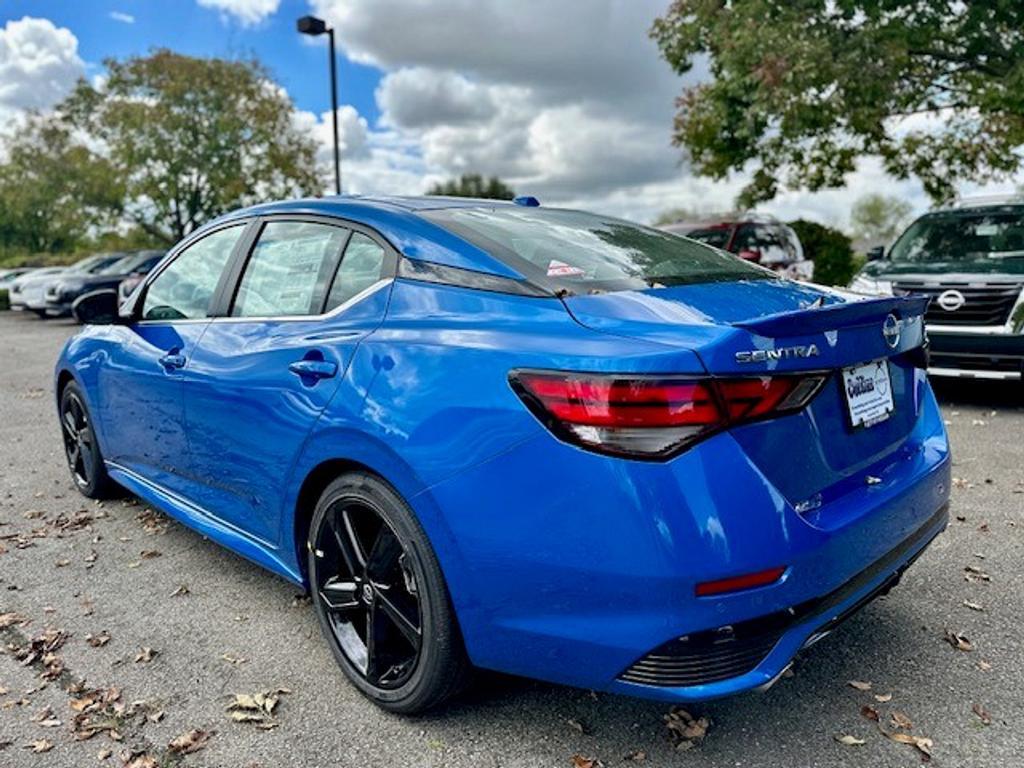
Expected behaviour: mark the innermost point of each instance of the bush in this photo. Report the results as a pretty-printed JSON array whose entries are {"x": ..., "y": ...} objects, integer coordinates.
[
  {"x": 5, "y": 302},
  {"x": 829, "y": 249}
]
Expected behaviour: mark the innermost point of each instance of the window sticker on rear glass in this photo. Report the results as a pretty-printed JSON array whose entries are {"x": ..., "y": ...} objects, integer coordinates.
[{"x": 558, "y": 268}]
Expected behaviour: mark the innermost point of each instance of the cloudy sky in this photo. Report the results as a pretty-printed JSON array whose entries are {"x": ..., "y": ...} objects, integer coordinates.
[{"x": 565, "y": 99}]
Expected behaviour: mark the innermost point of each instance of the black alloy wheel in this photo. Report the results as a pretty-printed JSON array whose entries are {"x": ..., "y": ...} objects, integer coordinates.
[
  {"x": 380, "y": 596},
  {"x": 80, "y": 447}
]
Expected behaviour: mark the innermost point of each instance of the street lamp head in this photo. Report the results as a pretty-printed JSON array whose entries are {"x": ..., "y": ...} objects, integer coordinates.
[{"x": 311, "y": 25}]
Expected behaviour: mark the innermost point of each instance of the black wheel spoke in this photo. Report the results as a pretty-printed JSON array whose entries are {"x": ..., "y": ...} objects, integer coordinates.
[
  {"x": 348, "y": 545},
  {"x": 373, "y": 637},
  {"x": 384, "y": 554},
  {"x": 406, "y": 626},
  {"x": 70, "y": 427},
  {"x": 340, "y": 595},
  {"x": 74, "y": 455}
]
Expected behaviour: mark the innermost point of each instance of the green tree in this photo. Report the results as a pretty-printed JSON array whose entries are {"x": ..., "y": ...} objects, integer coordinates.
[
  {"x": 193, "y": 138},
  {"x": 878, "y": 219},
  {"x": 474, "y": 185},
  {"x": 800, "y": 90},
  {"x": 53, "y": 191},
  {"x": 829, "y": 249}
]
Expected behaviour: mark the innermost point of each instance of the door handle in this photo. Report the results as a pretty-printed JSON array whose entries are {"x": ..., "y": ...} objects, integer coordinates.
[
  {"x": 314, "y": 369},
  {"x": 173, "y": 360}
]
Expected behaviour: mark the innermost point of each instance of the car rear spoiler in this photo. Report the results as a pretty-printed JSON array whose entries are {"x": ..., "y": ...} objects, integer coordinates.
[{"x": 834, "y": 316}]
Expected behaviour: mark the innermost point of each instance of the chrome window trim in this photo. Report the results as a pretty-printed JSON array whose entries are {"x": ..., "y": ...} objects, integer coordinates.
[{"x": 365, "y": 293}]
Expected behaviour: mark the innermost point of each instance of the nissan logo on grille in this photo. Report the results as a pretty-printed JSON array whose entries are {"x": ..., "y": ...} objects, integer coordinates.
[{"x": 951, "y": 300}]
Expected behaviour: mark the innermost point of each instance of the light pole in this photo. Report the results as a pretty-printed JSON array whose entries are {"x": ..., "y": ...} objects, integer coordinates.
[{"x": 311, "y": 25}]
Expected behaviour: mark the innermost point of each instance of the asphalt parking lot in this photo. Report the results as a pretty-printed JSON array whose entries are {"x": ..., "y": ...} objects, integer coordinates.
[{"x": 95, "y": 586}]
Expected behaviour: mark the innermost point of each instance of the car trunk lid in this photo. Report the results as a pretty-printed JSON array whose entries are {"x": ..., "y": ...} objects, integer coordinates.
[{"x": 766, "y": 327}]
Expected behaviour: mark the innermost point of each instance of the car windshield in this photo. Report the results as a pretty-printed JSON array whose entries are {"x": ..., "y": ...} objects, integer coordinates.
[
  {"x": 128, "y": 264},
  {"x": 716, "y": 236},
  {"x": 583, "y": 252},
  {"x": 89, "y": 263},
  {"x": 965, "y": 235}
]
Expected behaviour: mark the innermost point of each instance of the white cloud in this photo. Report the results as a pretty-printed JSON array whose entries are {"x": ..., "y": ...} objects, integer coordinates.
[
  {"x": 39, "y": 65},
  {"x": 248, "y": 12},
  {"x": 124, "y": 18},
  {"x": 416, "y": 97}
]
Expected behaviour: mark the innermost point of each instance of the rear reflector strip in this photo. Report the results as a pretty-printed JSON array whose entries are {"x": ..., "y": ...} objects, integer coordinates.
[{"x": 737, "y": 583}]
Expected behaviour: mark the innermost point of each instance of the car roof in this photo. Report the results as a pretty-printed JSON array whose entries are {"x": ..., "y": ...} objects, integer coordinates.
[{"x": 397, "y": 219}]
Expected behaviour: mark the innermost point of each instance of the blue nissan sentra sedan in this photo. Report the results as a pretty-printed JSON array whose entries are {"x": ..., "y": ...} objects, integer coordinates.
[{"x": 497, "y": 435}]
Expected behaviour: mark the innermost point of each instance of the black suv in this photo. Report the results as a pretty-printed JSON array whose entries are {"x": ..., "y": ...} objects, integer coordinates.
[{"x": 969, "y": 258}]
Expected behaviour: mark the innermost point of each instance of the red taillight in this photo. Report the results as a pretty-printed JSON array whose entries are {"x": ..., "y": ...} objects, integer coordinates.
[
  {"x": 652, "y": 416},
  {"x": 736, "y": 583}
]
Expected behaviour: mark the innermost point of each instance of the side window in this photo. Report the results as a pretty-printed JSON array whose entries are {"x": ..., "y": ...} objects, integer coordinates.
[
  {"x": 289, "y": 270},
  {"x": 183, "y": 291},
  {"x": 361, "y": 267}
]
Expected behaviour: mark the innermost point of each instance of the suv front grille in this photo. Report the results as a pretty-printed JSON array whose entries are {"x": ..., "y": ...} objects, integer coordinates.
[{"x": 984, "y": 303}]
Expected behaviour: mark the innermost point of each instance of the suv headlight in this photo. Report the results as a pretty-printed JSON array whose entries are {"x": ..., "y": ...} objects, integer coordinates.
[{"x": 866, "y": 284}]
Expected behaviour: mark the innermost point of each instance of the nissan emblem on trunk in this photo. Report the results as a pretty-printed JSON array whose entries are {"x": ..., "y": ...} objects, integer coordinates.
[{"x": 891, "y": 330}]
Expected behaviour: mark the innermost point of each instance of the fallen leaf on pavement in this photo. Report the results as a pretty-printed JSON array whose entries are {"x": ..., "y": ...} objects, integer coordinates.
[
  {"x": 984, "y": 666},
  {"x": 232, "y": 659},
  {"x": 974, "y": 573},
  {"x": 859, "y": 685},
  {"x": 982, "y": 714},
  {"x": 40, "y": 745},
  {"x": 958, "y": 641},
  {"x": 684, "y": 730},
  {"x": 103, "y": 754},
  {"x": 190, "y": 742},
  {"x": 899, "y": 720},
  {"x": 579, "y": 761},
  {"x": 576, "y": 725},
  {"x": 849, "y": 741},
  {"x": 882, "y": 698},
  {"x": 974, "y": 606},
  {"x": 181, "y": 591},
  {"x": 256, "y": 708},
  {"x": 636, "y": 757},
  {"x": 145, "y": 655},
  {"x": 923, "y": 744},
  {"x": 869, "y": 712},
  {"x": 149, "y": 554},
  {"x": 98, "y": 640}
]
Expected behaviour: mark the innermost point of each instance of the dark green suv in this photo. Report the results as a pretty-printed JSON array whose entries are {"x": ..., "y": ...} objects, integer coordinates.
[{"x": 969, "y": 259}]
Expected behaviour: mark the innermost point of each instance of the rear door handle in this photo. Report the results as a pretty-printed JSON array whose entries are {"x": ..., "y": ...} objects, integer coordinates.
[
  {"x": 314, "y": 369},
  {"x": 173, "y": 360}
]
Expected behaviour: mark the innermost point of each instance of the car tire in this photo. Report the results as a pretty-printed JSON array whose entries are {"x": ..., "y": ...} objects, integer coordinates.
[
  {"x": 366, "y": 573},
  {"x": 81, "y": 448}
]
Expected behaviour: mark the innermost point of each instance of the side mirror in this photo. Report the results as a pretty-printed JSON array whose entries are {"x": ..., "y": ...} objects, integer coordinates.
[
  {"x": 97, "y": 308},
  {"x": 750, "y": 254},
  {"x": 877, "y": 253}
]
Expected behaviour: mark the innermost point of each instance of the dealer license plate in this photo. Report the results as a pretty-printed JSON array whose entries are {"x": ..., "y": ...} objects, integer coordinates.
[{"x": 868, "y": 391}]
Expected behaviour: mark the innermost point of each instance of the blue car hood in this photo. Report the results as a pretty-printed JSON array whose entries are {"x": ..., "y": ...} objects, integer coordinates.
[{"x": 718, "y": 320}]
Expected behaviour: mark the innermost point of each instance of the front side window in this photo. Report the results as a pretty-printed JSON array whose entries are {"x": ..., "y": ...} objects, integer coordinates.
[
  {"x": 289, "y": 270},
  {"x": 361, "y": 267},
  {"x": 965, "y": 235},
  {"x": 583, "y": 252},
  {"x": 183, "y": 291}
]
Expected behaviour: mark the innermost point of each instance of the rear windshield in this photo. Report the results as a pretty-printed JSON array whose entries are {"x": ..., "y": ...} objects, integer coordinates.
[
  {"x": 583, "y": 252},
  {"x": 963, "y": 235}
]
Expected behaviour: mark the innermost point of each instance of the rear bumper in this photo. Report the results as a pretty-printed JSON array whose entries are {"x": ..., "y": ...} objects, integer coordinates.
[{"x": 992, "y": 353}]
